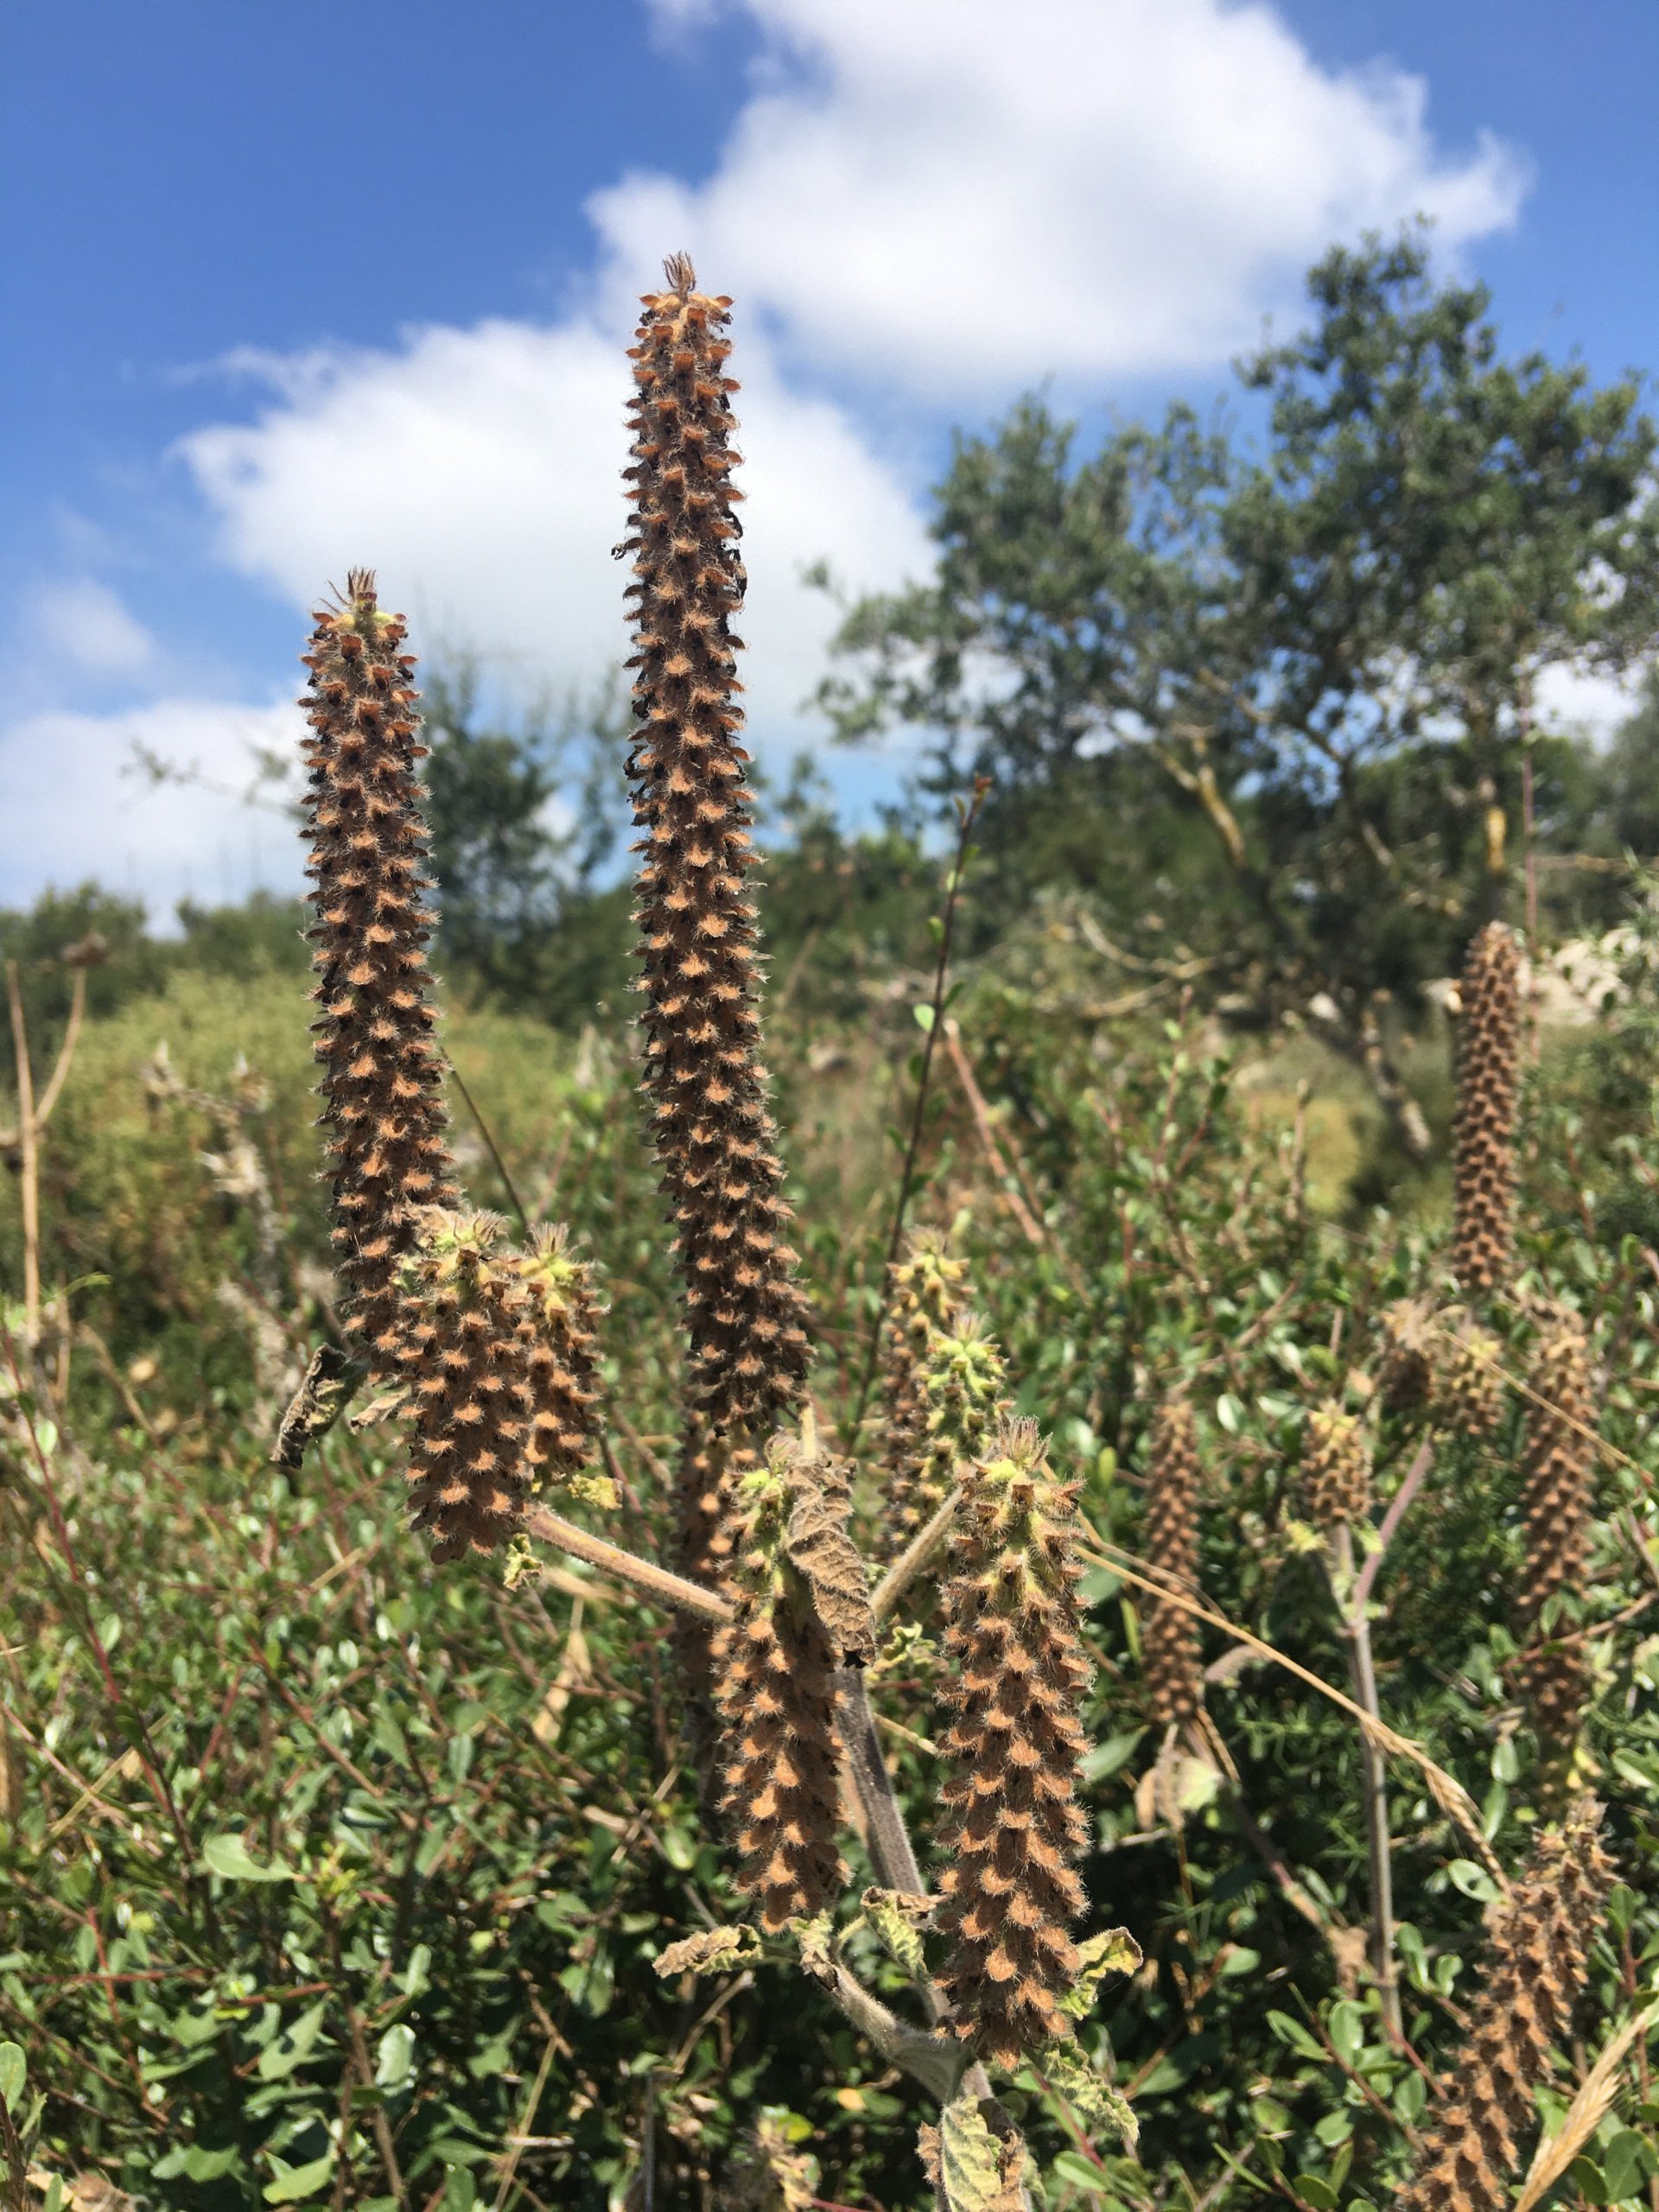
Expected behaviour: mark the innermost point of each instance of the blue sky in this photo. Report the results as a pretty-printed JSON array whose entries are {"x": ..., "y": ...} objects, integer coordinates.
[{"x": 293, "y": 287}]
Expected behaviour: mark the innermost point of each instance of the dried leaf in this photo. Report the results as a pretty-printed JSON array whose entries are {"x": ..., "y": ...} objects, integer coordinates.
[
  {"x": 714, "y": 1951},
  {"x": 818, "y": 1544},
  {"x": 330, "y": 1382},
  {"x": 1101, "y": 2108},
  {"x": 1113, "y": 1951},
  {"x": 976, "y": 2170}
]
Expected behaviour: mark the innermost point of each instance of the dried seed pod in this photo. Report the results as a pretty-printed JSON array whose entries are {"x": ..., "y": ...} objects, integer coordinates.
[
  {"x": 1014, "y": 1827},
  {"x": 776, "y": 1690},
  {"x": 962, "y": 1396},
  {"x": 1538, "y": 1958},
  {"x": 383, "y": 1106},
  {"x": 927, "y": 1286},
  {"x": 462, "y": 1356},
  {"x": 1336, "y": 1468},
  {"x": 556, "y": 1333},
  {"x": 1489, "y": 1031},
  {"x": 1405, "y": 1361},
  {"x": 1468, "y": 1387},
  {"x": 1555, "y": 1501},
  {"x": 713, "y": 1132},
  {"x": 1169, "y": 1546}
]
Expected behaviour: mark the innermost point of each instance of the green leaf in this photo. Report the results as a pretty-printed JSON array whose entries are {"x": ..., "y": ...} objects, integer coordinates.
[
  {"x": 1070, "y": 2166},
  {"x": 14, "y": 2071},
  {"x": 1102, "y": 2109},
  {"x": 1626, "y": 2163},
  {"x": 1229, "y": 1413},
  {"x": 1472, "y": 1877},
  {"x": 295, "y": 2045},
  {"x": 1346, "y": 2028},
  {"x": 1317, "y": 2191},
  {"x": 923, "y": 1016},
  {"x": 395, "y": 2059},
  {"x": 293, "y": 2183},
  {"x": 227, "y": 1856},
  {"x": 970, "y": 2159},
  {"x": 1293, "y": 2033},
  {"x": 1113, "y": 1951},
  {"x": 896, "y": 1921}
]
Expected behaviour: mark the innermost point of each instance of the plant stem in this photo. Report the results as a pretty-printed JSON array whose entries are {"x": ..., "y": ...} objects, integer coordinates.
[
  {"x": 490, "y": 1146},
  {"x": 916, "y": 1556},
  {"x": 968, "y": 814},
  {"x": 1377, "y": 1844},
  {"x": 651, "y": 1580},
  {"x": 29, "y": 1131}
]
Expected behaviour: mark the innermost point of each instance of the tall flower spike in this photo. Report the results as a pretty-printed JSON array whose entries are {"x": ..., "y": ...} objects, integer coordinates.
[
  {"x": 962, "y": 1396},
  {"x": 1488, "y": 1047},
  {"x": 1169, "y": 1544},
  {"x": 1336, "y": 1468},
  {"x": 1013, "y": 1826},
  {"x": 708, "y": 1088},
  {"x": 556, "y": 1334},
  {"x": 462, "y": 1352},
  {"x": 383, "y": 1107},
  {"x": 1469, "y": 1390},
  {"x": 1405, "y": 1359},
  {"x": 1555, "y": 1501},
  {"x": 927, "y": 1285},
  {"x": 776, "y": 1674},
  {"x": 1540, "y": 1949}
]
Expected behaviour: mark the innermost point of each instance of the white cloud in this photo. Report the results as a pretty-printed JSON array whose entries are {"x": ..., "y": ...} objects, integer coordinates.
[
  {"x": 480, "y": 472},
  {"x": 73, "y": 812},
  {"x": 964, "y": 194},
  {"x": 85, "y": 627}
]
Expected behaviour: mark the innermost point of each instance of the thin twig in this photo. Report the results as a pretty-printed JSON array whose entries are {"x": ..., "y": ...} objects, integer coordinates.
[
  {"x": 968, "y": 814},
  {"x": 483, "y": 1128},
  {"x": 645, "y": 1574},
  {"x": 1378, "y": 1845},
  {"x": 27, "y": 1145},
  {"x": 1391, "y": 1520},
  {"x": 915, "y": 1558}
]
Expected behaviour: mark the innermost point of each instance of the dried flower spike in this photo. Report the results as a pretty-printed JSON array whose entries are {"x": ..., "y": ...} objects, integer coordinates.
[
  {"x": 927, "y": 1286},
  {"x": 1169, "y": 1546},
  {"x": 962, "y": 1395},
  {"x": 1336, "y": 1469},
  {"x": 714, "y": 1135},
  {"x": 1540, "y": 1949},
  {"x": 1488, "y": 1047},
  {"x": 555, "y": 1333},
  {"x": 1014, "y": 1742},
  {"x": 1469, "y": 1389},
  {"x": 776, "y": 1677},
  {"x": 463, "y": 1357},
  {"x": 383, "y": 1106},
  {"x": 1555, "y": 1502},
  {"x": 1405, "y": 1362}
]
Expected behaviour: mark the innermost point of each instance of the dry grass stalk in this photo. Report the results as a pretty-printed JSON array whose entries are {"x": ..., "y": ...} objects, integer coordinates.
[
  {"x": 383, "y": 1109},
  {"x": 1589, "y": 2107},
  {"x": 1538, "y": 1955},
  {"x": 713, "y": 1132},
  {"x": 1488, "y": 1031},
  {"x": 1014, "y": 1827}
]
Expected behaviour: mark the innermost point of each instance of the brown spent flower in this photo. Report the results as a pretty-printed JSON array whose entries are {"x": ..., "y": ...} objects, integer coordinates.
[
  {"x": 1489, "y": 1031},
  {"x": 1336, "y": 1468},
  {"x": 383, "y": 1106},
  {"x": 1405, "y": 1360},
  {"x": 556, "y": 1332},
  {"x": 1538, "y": 1958},
  {"x": 463, "y": 1355},
  {"x": 1558, "y": 1469},
  {"x": 1469, "y": 1385},
  {"x": 1013, "y": 1827},
  {"x": 708, "y": 1088},
  {"x": 927, "y": 1285},
  {"x": 776, "y": 1690},
  {"x": 1169, "y": 1546}
]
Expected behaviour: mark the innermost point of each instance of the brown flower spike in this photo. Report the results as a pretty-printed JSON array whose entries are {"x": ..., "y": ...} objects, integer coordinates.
[
  {"x": 927, "y": 1285},
  {"x": 1555, "y": 1503},
  {"x": 1169, "y": 1546},
  {"x": 383, "y": 1106},
  {"x": 1015, "y": 1741},
  {"x": 1488, "y": 1043},
  {"x": 708, "y": 1088},
  {"x": 1405, "y": 1359},
  {"x": 555, "y": 1338},
  {"x": 1336, "y": 1469},
  {"x": 1540, "y": 1949},
  {"x": 777, "y": 1698}
]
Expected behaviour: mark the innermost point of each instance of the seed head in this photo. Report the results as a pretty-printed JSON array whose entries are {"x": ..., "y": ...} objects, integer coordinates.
[
  {"x": 928, "y": 1284},
  {"x": 1488, "y": 1041},
  {"x": 1336, "y": 1468},
  {"x": 1555, "y": 1502}
]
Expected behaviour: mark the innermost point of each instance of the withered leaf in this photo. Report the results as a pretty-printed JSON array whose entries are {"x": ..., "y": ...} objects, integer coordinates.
[
  {"x": 817, "y": 1543},
  {"x": 712, "y": 1952}
]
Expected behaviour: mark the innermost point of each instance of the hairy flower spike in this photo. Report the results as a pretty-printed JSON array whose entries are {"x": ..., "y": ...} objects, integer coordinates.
[
  {"x": 1555, "y": 1501},
  {"x": 962, "y": 1396},
  {"x": 1013, "y": 1826},
  {"x": 1169, "y": 1546},
  {"x": 713, "y": 1132},
  {"x": 383, "y": 1107},
  {"x": 1488, "y": 1046},
  {"x": 1336, "y": 1468},
  {"x": 555, "y": 1335},
  {"x": 776, "y": 1677},
  {"x": 1405, "y": 1361},
  {"x": 927, "y": 1285},
  {"x": 462, "y": 1352},
  {"x": 1469, "y": 1386},
  {"x": 1540, "y": 1949}
]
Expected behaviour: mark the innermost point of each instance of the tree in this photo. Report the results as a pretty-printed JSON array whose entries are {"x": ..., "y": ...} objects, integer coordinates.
[{"x": 1324, "y": 653}]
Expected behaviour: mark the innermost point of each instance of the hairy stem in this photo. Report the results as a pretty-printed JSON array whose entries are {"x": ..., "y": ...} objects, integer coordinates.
[
  {"x": 917, "y": 1556},
  {"x": 651, "y": 1580}
]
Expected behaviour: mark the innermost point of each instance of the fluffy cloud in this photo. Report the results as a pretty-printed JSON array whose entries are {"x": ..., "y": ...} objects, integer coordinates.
[
  {"x": 74, "y": 808},
  {"x": 480, "y": 470},
  {"x": 965, "y": 195},
  {"x": 86, "y": 626}
]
